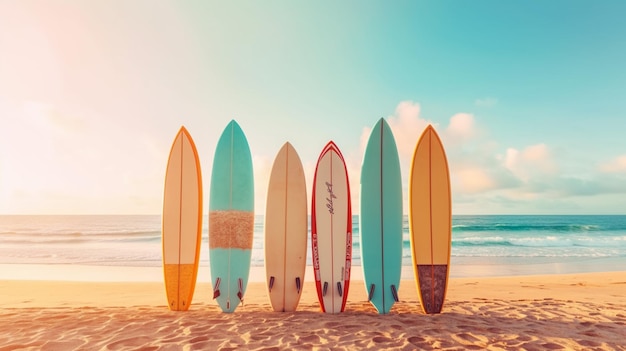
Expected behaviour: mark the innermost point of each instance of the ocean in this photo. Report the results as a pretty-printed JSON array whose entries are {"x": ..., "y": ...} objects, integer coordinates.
[{"x": 481, "y": 245}]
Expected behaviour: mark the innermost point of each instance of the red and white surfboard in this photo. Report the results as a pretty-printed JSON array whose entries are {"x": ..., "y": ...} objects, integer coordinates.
[{"x": 331, "y": 230}]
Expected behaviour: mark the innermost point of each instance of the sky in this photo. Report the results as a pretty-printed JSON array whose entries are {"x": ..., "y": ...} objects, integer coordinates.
[{"x": 528, "y": 97}]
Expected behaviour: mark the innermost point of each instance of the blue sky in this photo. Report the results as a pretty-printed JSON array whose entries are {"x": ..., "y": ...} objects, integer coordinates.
[{"x": 528, "y": 96}]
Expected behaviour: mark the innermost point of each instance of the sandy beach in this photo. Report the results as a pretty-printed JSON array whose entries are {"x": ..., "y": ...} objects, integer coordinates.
[{"x": 571, "y": 312}]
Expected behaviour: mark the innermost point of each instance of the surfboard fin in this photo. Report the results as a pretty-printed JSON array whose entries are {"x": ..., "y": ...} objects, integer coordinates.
[
  {"x": 339, "y": 289},
  {"x": 325, "y": 289},
  {"x": 371, "y": 293},
  {"x": 271, "y": 283},
  {"x": 298, "y": 284},
  {"x": 240, "y": 293},
  {"x": 394, "y": 293},
  {"x": 216, "y": 288}
]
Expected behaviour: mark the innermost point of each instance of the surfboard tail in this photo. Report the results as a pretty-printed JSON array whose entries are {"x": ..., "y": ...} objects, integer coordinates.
[{"x": 432, "y": 286}]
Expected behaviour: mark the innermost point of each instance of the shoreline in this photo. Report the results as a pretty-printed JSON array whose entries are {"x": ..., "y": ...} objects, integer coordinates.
[
  {"x": 58, "y": 293},
  {"x": 461, "y": 267},
  {"x": 568, "y": 311}
]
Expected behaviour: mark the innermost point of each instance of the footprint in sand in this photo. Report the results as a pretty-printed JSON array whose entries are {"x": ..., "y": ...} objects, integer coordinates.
[
  {"x": 552, "y": 346},
  {"x": 382, "y": 339},
  {"x": 311, "y": 339},
  {"x": 588, "y": 343},
  {"x": 541, "y": 346},
  {"x": 416, "y": 340}
]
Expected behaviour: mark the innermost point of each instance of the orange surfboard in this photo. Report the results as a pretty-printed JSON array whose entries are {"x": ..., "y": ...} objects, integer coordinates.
[
  {"x": 182, "y": 222},
  {"x": 430, "y": 220}
]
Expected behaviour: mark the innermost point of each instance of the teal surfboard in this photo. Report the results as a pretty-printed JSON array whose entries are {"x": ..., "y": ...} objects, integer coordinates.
[
  {"x": 231, "y": 218},
  {"x": 381, "y": 218}
]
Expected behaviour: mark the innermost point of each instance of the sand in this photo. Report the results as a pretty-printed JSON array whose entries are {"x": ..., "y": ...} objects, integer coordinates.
[{"x": 553, "y": 312}]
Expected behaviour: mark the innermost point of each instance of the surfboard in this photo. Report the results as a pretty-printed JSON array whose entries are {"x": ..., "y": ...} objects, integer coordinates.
[
  {"x": 430, "y": 220},
  {"x": 331, "y": 230},
  {"x": 381, "y": 218},
  {"x": 231, "y": 218},
  {"x": 182, "y": 221},
  {"x": 286, "y": 225}
]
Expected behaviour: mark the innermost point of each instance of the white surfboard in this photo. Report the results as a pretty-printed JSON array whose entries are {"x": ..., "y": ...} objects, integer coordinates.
[{"x": 286, "y": 230}]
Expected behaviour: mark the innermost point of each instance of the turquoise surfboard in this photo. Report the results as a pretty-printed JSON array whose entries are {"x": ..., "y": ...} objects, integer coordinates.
[
  {"x": 381, "y": 218},
  {"x": 231, "y": 218}
]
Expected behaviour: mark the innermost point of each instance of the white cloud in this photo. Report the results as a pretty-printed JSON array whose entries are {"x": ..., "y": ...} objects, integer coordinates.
[
  {"x": 407, "y": 126},
  {"x": 616, "y": 165},
  {"x": 472, "y": 180},
  {"x": 488, "y": 177},
  {"x": 532, "y": 161},
  {"x": 262, "y": 167},
  {"x": 462, "y": 128},
  {"x": 64, "y": 164},
  {"x": 51, "y": 162},
  {"x": 365, "y": 135}
]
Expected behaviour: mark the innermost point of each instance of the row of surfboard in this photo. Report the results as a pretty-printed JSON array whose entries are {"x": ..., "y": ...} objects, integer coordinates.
[{"x": 231, "y": 222}]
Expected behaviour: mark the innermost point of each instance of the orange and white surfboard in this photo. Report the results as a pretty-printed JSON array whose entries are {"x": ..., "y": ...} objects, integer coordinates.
[{"x": 182, "y": 221}]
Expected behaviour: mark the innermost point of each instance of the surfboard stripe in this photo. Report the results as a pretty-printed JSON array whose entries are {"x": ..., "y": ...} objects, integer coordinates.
[
  {"x": 230, "y": 229},
  {"x": 430, "y": 213},
  {"x": 382, "y": 215},
  {"x": 284, "y": 240},
  {"x": 285, "y": 231}
]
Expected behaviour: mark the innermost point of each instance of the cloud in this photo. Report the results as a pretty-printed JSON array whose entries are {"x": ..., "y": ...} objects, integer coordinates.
[
  {"x": 473, "y": 167},
  {"x": 488, "y": 176},
  {"x": 532, "y": 161},
  {"x": 473, "y": 180},
  {"x": 40, "y": 115},
  {"x": 486, "y": 102},
  {"x": 407, "y": 126},
  {"x": 65, "y": 164},
  {"x": 462, "y": 128},
  {"x": 262, "y": 167},
  {"x": 616, "y": 165}
]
